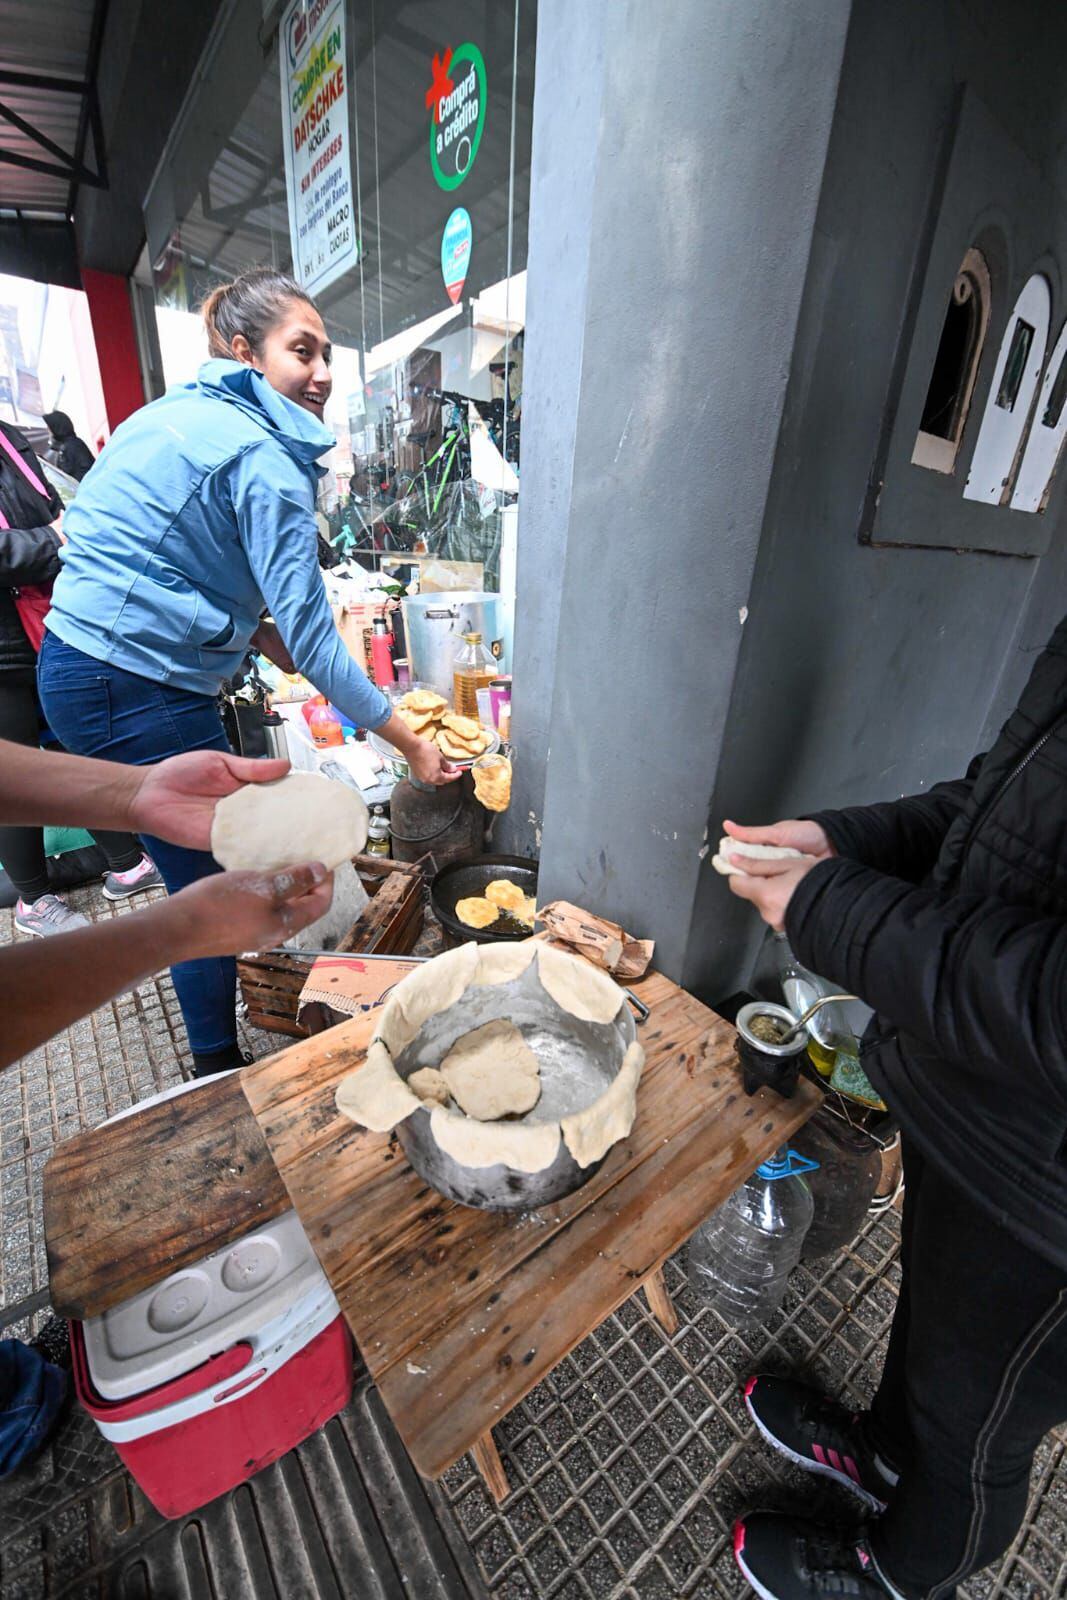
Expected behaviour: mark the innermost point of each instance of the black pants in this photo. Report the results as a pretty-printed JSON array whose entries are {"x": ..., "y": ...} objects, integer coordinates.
[
  {"x": 975, "y": 1376},
  {"x": 22, "y": 849}
]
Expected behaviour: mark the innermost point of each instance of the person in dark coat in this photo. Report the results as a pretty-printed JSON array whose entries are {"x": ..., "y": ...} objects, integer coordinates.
[
  {"x": 29, "y": 554},
  {"x": 946, "y": 912},
  {"x": 66, "y": 451}
]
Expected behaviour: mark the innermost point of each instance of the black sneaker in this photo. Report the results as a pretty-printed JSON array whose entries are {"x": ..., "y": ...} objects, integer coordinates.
[
  {"x": 784, "y": 1558},
  {"x": 818, "y": 1435}
]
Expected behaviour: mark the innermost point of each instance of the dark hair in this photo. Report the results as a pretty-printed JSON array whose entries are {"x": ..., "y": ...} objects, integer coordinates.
[{"x": 251, "y": 305}]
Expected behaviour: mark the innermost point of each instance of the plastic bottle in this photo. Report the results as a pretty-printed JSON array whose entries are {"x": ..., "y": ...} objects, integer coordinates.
[
  {"x": 740, "y": 1259},
  {"x": 325, "y": 726},
  {"x": 378, "y": 834},
  {"x": 473, "y": 668},
  {"x": 381, "y": 653}
]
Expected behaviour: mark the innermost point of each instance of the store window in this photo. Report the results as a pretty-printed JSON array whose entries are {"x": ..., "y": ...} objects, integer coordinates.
[
  {"x": 955, "y": 368},
  {"x": 1015, "y": 380},
  {"x": 403, "y": 206}
]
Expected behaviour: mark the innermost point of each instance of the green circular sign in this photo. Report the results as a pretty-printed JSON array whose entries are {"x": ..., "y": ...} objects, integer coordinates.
[{"x": 454, "y": 140}]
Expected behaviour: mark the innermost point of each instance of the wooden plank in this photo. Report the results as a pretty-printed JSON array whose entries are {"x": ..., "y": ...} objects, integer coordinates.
[
  {"x": 500, "y": 1298},
  {"x": 127, "y": 1204},
  {"x": 660, "y": 1303},
  {"x": 487, "y": 1460}
]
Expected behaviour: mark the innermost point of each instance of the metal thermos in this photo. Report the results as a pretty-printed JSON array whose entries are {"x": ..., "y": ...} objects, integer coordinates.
[{"x": 274, "y": 735}]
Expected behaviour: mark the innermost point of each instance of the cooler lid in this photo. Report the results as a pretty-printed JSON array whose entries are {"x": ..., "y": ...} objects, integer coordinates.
[{"x": 200, "y": 1311}]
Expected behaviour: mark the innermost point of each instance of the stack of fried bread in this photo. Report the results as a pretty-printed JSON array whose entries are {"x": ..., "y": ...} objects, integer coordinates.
[{"x": 457, "y": 738}]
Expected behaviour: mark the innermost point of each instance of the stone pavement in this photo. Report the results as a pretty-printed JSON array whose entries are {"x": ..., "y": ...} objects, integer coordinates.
[{"x": 628, "y": 1464}]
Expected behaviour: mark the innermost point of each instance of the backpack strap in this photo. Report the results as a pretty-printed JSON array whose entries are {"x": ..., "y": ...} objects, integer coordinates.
[{"x": 27, "y": 472}]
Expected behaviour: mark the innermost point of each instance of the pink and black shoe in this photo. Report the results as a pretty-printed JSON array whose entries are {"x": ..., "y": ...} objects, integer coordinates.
[
  {"x": 784, "y": 1558},
  {"x": 819, "y": 1435}
]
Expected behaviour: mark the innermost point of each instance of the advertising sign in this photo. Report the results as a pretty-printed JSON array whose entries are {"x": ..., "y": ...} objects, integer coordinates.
[{"x": 315, "y": 124}]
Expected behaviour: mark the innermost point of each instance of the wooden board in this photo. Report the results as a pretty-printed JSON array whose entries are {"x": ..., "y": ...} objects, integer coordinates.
[
  {"x": 127, "y": 1204},
  {"x": 458, "y": 1312}
]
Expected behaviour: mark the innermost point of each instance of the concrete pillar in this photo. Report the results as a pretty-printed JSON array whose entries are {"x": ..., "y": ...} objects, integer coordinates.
[{"x": 677, "y": 162}]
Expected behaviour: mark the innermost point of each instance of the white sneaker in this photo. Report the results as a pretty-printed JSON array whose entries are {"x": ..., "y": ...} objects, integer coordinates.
[{"x": 46, "y": 916}]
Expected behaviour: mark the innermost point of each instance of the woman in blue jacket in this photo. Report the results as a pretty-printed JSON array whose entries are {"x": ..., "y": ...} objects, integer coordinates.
[{"x": 196, "y": 519}]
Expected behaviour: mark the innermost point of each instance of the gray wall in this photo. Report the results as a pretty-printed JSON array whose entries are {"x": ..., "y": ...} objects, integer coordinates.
[
  {"x": 711, "y": 132},
  {"x": 870, "y": 673}
]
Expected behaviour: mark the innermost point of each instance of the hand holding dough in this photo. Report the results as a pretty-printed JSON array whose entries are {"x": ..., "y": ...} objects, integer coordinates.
[
  {"x": 301, "y": 817},
  {"x": 726, "y": 862}
]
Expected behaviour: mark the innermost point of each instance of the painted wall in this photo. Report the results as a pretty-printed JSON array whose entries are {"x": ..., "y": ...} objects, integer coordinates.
[
  {"x": 668, "y": 281},
  {"x": 871, "y": 673}
]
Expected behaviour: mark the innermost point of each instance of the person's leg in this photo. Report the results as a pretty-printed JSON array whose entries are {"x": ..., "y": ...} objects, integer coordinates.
[
  {"x": 97, "y": 710},
  {"x": 986, "y": 1378},
  {"x": 885, "y": 1426}
]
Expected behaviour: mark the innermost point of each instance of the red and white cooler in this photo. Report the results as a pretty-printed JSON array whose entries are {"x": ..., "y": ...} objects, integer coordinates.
[{"x": 220, "y": 1369}]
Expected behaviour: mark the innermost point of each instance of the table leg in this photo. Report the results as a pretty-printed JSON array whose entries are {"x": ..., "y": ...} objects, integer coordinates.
[
  {"x": 659, "y": 1301},
  {"x": 487, "y": 1460}
]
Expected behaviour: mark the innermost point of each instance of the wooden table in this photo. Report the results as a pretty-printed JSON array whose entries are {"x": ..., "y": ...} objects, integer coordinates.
[{"x": 458, "y": 1313}]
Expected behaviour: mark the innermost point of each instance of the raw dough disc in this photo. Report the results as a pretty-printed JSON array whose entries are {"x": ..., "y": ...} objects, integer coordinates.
[
  {"x": 477, "y": 912},
  {"x": 430, "y": 1086},
  {"x": 589, "y": 1134},
  {"x": 301, "y": 817},
  {"x": 491, "y": 1072},
  {"x": 432, "y": 988},
  {"x": 726, "y": 860},
  {"x": 525, "y": 1146},
  {"x": 500, "y": 963},
  {"x": 578, "y": 988},
  {"x": 375, "y": 1095},
  {"x": 502, "y": 892}
]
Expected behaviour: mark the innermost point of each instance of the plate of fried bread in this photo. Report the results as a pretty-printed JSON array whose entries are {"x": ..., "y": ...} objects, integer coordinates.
[{"x": 461, "y": 740}]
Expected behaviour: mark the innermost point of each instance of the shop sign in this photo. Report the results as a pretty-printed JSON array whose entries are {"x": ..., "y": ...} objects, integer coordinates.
[
  {"x": 456, "y": 101},
  {"x": 456, "y": 252},
  {"x": 318, "y": 169}
]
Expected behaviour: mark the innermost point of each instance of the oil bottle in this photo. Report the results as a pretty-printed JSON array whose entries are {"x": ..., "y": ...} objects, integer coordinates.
[{"x": 474, "y": 668}]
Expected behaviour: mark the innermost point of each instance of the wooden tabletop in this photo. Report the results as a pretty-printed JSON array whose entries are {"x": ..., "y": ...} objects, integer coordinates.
[{"x": 458, "y": 1312}]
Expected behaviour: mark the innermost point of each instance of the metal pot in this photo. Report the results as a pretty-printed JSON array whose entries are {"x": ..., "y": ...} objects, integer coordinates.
[
  {"x": 462, "y": 880},
  {"x": 578, "y": 1061},
  {"x": 435, "y": 625}
]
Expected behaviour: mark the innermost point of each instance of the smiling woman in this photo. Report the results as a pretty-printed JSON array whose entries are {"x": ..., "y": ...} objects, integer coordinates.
[
  {"x": 267, "y": 321},
  {"x": 199, "y": 519}
]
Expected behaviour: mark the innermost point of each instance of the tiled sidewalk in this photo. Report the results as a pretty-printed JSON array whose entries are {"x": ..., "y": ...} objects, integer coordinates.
[{"x": 628, "y": 1464}]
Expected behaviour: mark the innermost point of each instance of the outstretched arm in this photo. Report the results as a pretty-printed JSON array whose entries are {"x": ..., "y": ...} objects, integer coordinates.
[
  {"x": 175, "y": 799},
  {"x": 47, "y": 984}
]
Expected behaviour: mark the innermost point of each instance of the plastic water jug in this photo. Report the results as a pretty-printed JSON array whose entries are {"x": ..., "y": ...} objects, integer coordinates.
[{"x": 740, "y": 1259}]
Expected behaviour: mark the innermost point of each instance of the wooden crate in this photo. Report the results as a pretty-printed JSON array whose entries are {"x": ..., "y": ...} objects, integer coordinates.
[{"x": 389, "y": 926}]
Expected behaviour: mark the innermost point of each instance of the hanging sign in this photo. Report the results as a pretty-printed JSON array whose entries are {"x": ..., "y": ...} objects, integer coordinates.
[
  {"x": 456, "y": 101},
  {"x": 318, "y": 170},
  {"x": 456, "y": 252}
]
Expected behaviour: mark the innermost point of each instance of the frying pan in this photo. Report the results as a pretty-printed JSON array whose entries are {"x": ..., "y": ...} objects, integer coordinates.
[{"x": 462, "y": 879}]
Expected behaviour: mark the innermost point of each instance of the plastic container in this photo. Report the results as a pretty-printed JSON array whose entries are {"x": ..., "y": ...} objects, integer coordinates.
[
  {"x": 740, "y": 1259},
  {"x": 325, "y": 726},
  {"x": 473, "y": 668},
  {"x": 378, "y": 834}
]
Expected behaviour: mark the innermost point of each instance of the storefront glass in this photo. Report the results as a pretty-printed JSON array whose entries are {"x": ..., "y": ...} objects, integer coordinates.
[{"x": 425, "y": 109}]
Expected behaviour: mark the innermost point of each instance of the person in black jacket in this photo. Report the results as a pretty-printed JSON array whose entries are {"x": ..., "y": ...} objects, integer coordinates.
[
  {"x": 946, "y": 912},
  {"x": 66, "y": 451},
  {"x": 29, "y": 554}
]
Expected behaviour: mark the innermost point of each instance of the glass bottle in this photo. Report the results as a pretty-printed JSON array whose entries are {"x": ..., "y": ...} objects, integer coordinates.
[{"x": 474, "y": 668}]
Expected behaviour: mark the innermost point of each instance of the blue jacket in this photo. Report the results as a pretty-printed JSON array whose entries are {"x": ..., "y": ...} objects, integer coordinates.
[{"x": 198, "y": 514}]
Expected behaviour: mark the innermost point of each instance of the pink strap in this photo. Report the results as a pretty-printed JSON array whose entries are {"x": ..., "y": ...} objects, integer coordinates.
[{"x": 27, "y": 472}]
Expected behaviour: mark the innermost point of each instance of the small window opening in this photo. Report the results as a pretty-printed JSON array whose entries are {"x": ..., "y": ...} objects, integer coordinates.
[
  {"x": 955, "y": 367},
  {"x": 1057, "y": 395},
  {"x": 1021, "y": 339}
]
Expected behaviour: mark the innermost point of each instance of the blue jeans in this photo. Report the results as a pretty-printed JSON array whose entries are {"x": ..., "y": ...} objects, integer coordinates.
[
  {"x": 99, "y": 710},
  {"x": 31, "y": 1393}
]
